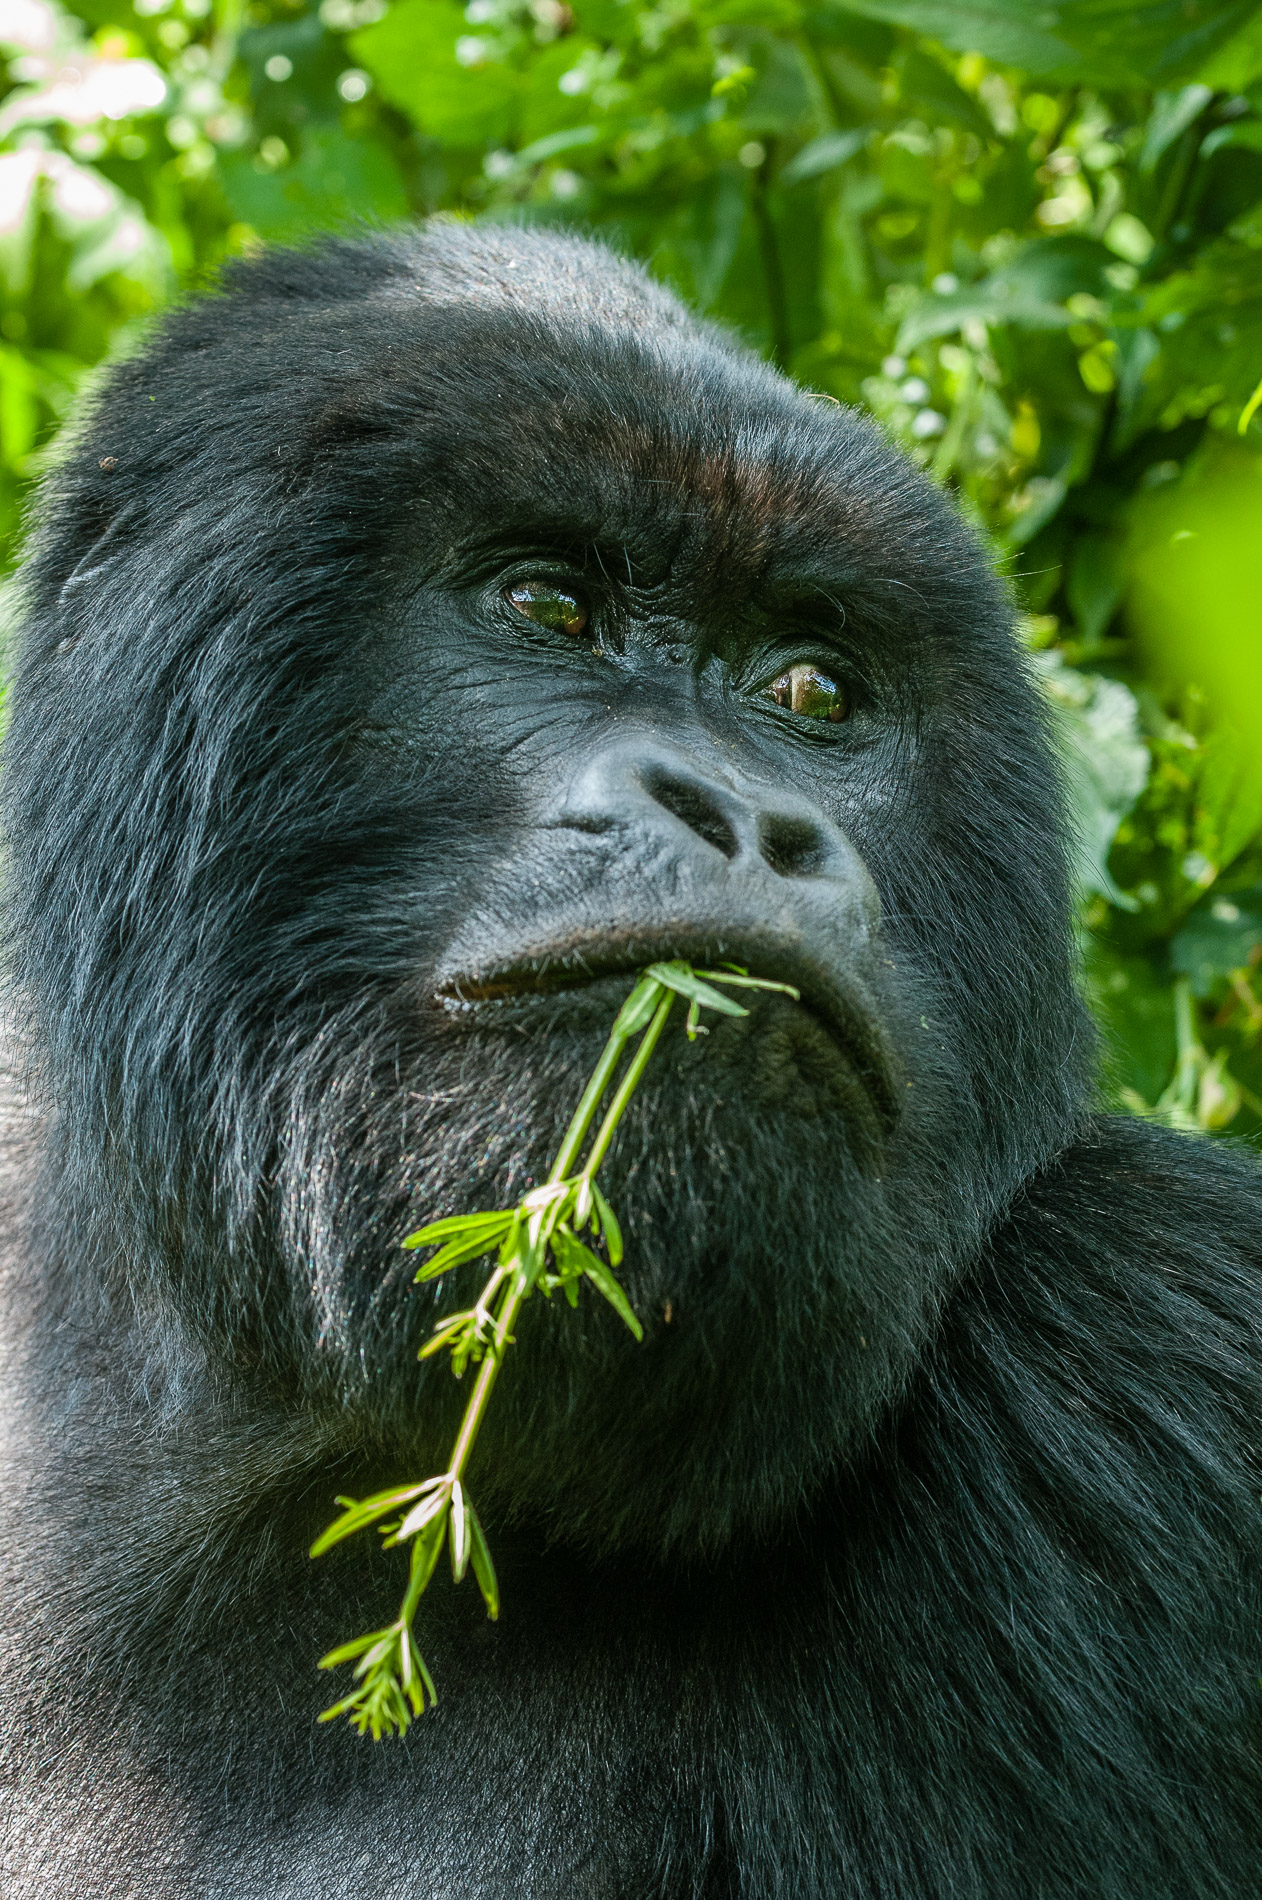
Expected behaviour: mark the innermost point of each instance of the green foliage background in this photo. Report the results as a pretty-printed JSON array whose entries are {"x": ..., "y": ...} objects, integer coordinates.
[{"x": 1029, "y": 241}]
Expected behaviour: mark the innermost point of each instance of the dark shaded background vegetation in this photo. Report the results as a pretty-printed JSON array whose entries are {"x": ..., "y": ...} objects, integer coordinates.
[{"x": 1030, "y": 242}]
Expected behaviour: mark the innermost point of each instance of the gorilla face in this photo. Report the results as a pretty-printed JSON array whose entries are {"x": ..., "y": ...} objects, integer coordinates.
[{"x": 453, "y": 627}]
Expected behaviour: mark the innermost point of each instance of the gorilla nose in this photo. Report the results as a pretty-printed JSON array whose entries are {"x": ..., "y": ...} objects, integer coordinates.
[{"x": 697, "y": 810}]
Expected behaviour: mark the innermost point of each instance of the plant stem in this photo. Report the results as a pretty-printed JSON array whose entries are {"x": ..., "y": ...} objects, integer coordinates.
[
  {"x": 488, "y": 1372},
  {"x": 583, "y": 1117},
  {"x": 626, "y": 1088},
  {"x": 390, "y": 1674},
  {"x": 590, "y": 1101}
]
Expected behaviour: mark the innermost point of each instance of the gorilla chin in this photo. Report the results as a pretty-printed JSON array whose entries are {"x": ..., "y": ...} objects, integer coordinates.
[{"x": 420, "y": 635}]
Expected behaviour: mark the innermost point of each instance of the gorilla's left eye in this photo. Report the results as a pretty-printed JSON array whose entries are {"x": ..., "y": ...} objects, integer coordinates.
[
  {"x": 805, "y": 689},
  {"x": 548, "y": 606}
]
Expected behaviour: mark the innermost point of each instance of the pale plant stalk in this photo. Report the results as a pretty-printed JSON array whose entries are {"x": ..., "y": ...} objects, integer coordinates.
[{"x": 391, "y": 1681}]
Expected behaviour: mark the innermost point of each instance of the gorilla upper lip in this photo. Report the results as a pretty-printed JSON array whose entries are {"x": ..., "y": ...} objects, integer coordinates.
[{"x": 838, "y": 999}]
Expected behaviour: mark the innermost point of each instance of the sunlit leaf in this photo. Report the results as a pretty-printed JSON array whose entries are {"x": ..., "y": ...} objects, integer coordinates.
[
  {"x": 601, "y": 1278},
  {"x": 609, "y": 1226},
  {"x": 483, "y": 1568}
]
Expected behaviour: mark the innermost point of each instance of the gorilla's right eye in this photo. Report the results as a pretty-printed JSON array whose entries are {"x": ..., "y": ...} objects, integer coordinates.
[{"x": 548, "y": 606}]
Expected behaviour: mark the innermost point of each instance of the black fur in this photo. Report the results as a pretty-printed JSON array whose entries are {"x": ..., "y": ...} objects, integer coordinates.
[{"x": 915, "y": 1552}]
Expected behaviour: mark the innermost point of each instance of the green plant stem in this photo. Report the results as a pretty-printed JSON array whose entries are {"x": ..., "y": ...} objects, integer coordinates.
[
  {"x": 589, "y": 1102},
  {"x": 627, "y": 1087},
  {"x": 484, "y": 1384},
  {"x": 391, "y": 1679},
  {"x": 582, "y": 1119}
]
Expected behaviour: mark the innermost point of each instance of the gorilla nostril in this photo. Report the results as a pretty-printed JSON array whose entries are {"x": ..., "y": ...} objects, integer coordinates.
[
  {"x": 793, "y": 847},
  {"x": 694, "y": 806}
]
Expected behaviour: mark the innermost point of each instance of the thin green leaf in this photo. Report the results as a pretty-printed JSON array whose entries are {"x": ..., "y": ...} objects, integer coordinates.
[
  {"x": 454, "y": 1254},
  {"x": 349, "y": 1705},
  {"x": 572, "y": 1254},
  {"x": 377, "y": 1655},
  {"x": 678, "y": 977},
  {"x": 600, "y": 1276},
  {"x": 739, "y": 981},
  {"x": 347, "y": 1652},
  {"x": 459, "y": 1532},
  {"x": 609, "y": 1225},
  {"x": 425, "y": 1677},
  {"x": 421, "y": 1514},
  {"x": 459, "y": 1224},
  {"x": 446, "y": 1333},
  {"x": 639, "y": 1006},
  {"x": 483, "y": 1568},
  {"x": 358, "y": 1516}
]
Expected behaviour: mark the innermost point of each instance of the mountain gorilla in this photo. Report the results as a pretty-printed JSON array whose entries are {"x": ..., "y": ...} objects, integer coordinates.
[{"x": 420, "y": 636}]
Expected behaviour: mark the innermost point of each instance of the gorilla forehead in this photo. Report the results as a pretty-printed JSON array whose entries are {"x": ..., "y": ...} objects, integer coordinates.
[{"x": 386, "y": 391}]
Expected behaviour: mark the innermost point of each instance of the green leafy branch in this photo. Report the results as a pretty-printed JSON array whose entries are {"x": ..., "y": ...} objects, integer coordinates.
[{"x": 537, "y": 1246}]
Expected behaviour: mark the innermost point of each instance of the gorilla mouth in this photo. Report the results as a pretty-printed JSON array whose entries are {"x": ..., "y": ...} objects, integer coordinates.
[{"x": 840, "y": 1005}]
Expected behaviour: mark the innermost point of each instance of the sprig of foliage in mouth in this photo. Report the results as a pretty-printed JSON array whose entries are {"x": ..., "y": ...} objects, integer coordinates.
[{"x": 537, "y": 1245}]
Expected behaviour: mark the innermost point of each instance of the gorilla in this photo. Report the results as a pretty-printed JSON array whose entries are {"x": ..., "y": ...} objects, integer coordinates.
[{"x": 421, "y": 634}]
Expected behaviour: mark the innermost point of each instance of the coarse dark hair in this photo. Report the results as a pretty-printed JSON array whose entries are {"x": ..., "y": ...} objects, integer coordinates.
[{"x": 929, "y": 1506}]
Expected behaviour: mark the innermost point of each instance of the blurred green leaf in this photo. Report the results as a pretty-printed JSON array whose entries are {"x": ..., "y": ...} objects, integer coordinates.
[
  {"x": 1219, "y": 936},
  {"x": 1114, "y": 42},
  {"x": 411, "y": 54},
  {"x": 331, "y": 174}
]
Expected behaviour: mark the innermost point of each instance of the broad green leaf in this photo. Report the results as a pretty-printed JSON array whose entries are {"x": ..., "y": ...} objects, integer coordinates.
[
  {"x": 1133, "y": 1008},
  {"x": 924, "y": 81},
  {"x": 572, "y": 139},
  {"x": 412, "y": 56},
  {"x": 1028, "y": 292},
  {"x": 1172, "y": 113},
  {"x": 1101, "y": 42},
  {"x": 824, "y": 154},
  {"x": 1238, "y": 63},
  {"x": 1221, "y": 935},
  {"x": 1106, "y": 764}
]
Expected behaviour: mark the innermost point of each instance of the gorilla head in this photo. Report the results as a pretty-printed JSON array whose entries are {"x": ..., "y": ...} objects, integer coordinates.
[{"x": 422, "y": 636}]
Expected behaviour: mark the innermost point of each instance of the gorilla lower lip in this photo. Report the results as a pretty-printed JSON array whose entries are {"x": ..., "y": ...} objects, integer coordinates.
[{"x": 841, "y": 1009}]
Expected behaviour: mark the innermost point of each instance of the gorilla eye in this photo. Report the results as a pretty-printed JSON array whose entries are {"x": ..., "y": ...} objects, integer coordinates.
[
  {"x": 804, "y": 689},
  {"x": 549, "y": 607}
]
